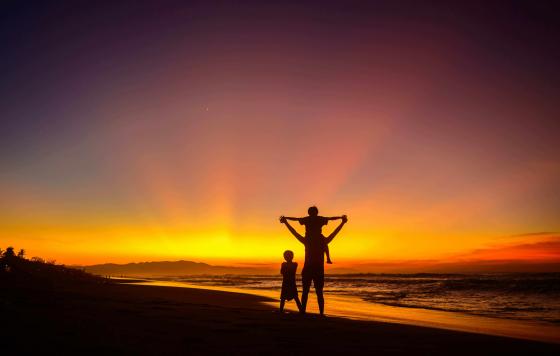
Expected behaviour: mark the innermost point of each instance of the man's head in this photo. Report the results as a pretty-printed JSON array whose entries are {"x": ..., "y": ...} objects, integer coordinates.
[
  {"x": 313, "y": 211},
  {"x": 288, "y": 255}
]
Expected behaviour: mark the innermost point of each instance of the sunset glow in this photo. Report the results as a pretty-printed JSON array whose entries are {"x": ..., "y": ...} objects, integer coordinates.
[{"x": 165, "y": 138}]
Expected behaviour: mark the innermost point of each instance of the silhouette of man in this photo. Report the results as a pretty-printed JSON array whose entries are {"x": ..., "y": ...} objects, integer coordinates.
[
  {"x": 314, "y": 265},
  {"x": 313, "y": 225}
]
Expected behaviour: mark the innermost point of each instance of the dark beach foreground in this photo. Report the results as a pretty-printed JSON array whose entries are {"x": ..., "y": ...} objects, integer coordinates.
[{"x": 132, "y": 319}]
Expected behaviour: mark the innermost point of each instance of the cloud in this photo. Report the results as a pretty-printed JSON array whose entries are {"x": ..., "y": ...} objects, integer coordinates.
[
  {"x": 541, "y": 251},
  {"x": 543, "y": 233},
  {"x": 540, "y": 256}
]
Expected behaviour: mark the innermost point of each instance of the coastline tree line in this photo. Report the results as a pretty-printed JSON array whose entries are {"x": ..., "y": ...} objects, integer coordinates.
[{"x": 17, "y": 269}]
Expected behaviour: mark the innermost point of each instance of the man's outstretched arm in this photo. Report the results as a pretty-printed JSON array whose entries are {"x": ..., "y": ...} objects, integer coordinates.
[
  {"x": 337, "y": 230},
  {"x": 292, "y": 230},
  {"x": 334, "y": 217},
  {"x": 291, "y": 218}
]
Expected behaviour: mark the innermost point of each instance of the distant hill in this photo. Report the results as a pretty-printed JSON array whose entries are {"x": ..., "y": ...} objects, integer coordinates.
[
  {"x": 169, "y": 268},
  {"x": 183, "y": 268}
]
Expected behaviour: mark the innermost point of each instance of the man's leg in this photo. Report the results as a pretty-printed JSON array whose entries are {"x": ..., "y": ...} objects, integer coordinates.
[
  {"x": 306, "y": 284},
  {"x": 328, "y": 254},
  {"x": 298, "y": 303},
  {"x": 318, "y": 283}
]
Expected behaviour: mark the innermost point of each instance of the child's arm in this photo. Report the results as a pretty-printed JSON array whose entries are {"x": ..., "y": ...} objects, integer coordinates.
[
  {"x": 288, "y": 218},
  {"x": 334, "y": 217},
  {"x": 337, "y": 230}
]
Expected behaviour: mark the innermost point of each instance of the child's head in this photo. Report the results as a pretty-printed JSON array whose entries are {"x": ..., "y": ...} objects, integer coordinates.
[
  {"x": 288, "y": 255},
  {"x": 313, "y": 211}
]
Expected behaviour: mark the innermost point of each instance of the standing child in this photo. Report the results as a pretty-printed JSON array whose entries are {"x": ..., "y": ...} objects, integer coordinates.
[{"x": 289, "y": 288}]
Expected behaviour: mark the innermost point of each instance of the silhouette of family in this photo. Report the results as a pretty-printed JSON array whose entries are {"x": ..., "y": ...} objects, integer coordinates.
[{"x": 316, "y": 248}]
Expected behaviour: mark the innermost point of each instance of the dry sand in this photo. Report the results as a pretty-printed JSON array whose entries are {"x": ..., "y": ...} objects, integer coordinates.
[{"x": 135, "y": 319}]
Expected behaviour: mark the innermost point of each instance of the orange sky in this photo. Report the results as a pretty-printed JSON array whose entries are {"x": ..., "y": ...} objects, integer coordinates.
[{"x": 141, "y": 141}]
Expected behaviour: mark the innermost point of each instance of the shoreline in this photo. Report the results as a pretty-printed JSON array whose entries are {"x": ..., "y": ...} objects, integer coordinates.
[
  {"x": 355, "y": 308},
  {"x": 123, "y": 318}
]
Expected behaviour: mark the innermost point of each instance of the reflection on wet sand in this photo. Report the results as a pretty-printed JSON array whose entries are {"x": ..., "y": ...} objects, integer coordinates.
[{"x": 356, "y": 308}]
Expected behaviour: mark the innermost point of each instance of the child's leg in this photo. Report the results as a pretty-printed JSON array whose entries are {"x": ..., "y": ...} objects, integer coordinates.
[
  {"x": 282, "y": 301},
  {"x": 298, "y": 303},
  {"x": 328, "y": 254}
]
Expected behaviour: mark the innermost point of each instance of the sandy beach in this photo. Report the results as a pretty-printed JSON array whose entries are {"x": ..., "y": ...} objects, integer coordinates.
[
  {"x": 136, "y": 319},
  {"x": 356, "y": 308}
]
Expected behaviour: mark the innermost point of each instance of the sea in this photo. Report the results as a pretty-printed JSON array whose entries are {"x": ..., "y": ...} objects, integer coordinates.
[{"x": 520, "y": 296}]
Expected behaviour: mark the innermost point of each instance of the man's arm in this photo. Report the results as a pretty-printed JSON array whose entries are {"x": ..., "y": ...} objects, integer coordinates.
[
  {"x": 337, "y": 230},
  {"x": 334, "y": 217},
  {"x": 291, "y": 218},
  {"x": 292, "y": 230}
]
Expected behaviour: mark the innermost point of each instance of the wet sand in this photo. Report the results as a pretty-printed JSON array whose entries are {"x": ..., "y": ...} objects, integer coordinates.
[
  {"x": 353, "y": 307},
  {"x": 137, "y": 319}
]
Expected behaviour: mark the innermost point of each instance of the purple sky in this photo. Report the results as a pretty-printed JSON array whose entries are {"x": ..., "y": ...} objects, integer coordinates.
[{"x": 193, "y": 125}]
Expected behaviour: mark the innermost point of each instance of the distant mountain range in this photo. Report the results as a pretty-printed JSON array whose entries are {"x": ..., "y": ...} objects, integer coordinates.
[
  {"x": 183, "y": 268},
  {"x": 169, "y": 268}
]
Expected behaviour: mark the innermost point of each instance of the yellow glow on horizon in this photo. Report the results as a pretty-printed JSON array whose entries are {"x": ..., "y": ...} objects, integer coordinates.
[
  {"x": 355, "y": 244},
  {"x": 188, "y": 141},
  {"x": 217, "y": 196}
]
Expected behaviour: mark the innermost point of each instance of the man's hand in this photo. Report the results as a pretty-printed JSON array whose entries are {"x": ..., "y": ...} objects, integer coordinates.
[
  {"x": 344, "y": 219},
  {"x": 283, "y": 219}
]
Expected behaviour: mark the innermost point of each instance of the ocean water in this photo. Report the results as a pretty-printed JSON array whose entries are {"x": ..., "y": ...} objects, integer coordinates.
[{"x": 531, "y": 297}]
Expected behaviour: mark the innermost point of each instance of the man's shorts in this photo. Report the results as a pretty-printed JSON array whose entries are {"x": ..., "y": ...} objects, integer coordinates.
[{"x": 317, "y": 275}]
